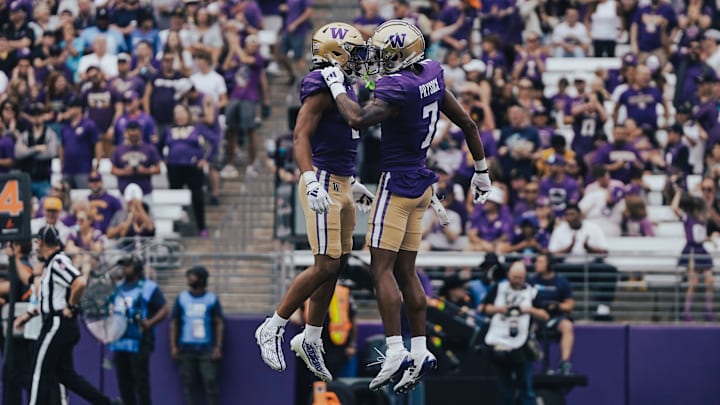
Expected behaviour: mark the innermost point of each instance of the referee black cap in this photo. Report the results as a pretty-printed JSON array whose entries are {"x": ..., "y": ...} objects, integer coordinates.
[
  {"x": 199, "y": 271},
  {"x": 49, "y": 235}
]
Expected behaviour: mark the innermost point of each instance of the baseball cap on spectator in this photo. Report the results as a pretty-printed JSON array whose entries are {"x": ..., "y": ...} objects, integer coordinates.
[
  {"x": 475, "y": 65},
  {"x": 579, "y": 80},
  {"x": 706, "y": 78},
  {"x": 712, "y": 34},
  {"x": 555, "y": 160},
  {"x": 133, "y": 125},
  {"x": 102, "y": 13},
  {"x": 91, "y": 67},
  {"x": 684, "y": 108},
  {"x": 676, "y": 128},
  {"x": 124, "y": 57},
  {"x": 653, "y": 63},
  {"x": 95, "y": 176},
  {"x": 49, "y": 235},
  {"x": 75, "y": 101},
  {"x": 130, "y": 95},
  {"x": 132, "y": 192},
  {"x": 16, "y": 6},
  {"x": 55, "y": 50},
  {"x": 182, "y": 86},
  {"x": 629, "y": 59},
  {"x": 178, "y": 11},
  {"x": 53, "y": 204},
  {"x": 529, "y": 218},
  {"x": 496, "y": 195},
  {"x": 24, "y": 53}
]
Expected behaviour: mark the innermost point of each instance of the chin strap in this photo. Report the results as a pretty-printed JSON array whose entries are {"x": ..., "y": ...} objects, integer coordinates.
[{"x": 369, "y": 83}]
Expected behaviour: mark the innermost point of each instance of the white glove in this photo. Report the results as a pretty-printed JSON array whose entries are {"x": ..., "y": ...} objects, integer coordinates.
[
  {"x": 362, "y": 196},
  {"x": 480, "y": 182},
  {"x": 439, "y": 210},
  {"x": 317, "y": 196},
  {"x": 335, "y": 80}
]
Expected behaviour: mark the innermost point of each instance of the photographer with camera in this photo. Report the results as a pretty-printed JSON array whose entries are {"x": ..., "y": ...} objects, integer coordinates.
[
  {"x": 144, "y": 306},
  {"x": 512, "y": 304}
]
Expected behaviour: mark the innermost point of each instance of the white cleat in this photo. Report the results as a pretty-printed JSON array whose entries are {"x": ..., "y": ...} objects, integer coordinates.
[
  {"x": 270, "y": 342},
  {"x": 412, "y": 376},
  {"x": 392, "y": 368},
  {"x": 312, "y": 354}
]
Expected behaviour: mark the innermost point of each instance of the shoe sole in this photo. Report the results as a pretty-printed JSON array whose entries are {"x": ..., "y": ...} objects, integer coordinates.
[
  {"x": 394, "y": 378},
  {"x": 427, "y": 366},
  {"x": 257, "y": 340},
  {"x": 301, "y": 354}
]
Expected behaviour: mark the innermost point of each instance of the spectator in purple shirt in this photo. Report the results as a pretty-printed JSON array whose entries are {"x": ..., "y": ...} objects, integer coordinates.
[
  {"x": 163, "y": 91},
  {"x": 705, "y": 112},
  {"x": 103, "y": 206},
  {"x": 133, "y": 113},
  {"x": 8, "y": 133},
  {"x": 619, "y": 157},
  {"x": 295, "y": 27},
  {"x": 652, "y": 29},
  {"x": 558, "y": 187},
  {"x": 103, "y": 105},
  {"x": 491, "y": 55},
  {"x": 530, "y": 60},
  {"x": 190, "y": 148},
  {"x": 490, "y": 225},
  {"x": 85, "y": 242},
  {"x": 369, "y": 19},
  {"x": 641, "y": 100},
  {"x": 80, "y": 143},
  {"x": 245, "y": 67},
  {"x": 124, "y": 81},
  {"x": 527, "y": 240},
  {"x": 135, "y": 161},
  {"x": 688, "y": 67},
  {"x": 460, "y": 39}
]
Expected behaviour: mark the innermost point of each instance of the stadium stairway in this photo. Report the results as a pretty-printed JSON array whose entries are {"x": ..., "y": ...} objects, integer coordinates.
[{"x": 248, "y": 286}]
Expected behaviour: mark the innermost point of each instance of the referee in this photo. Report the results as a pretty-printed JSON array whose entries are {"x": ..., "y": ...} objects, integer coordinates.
[{"x": 61, "y": 286}]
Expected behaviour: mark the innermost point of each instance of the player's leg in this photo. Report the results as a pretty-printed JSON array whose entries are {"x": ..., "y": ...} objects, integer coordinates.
[
  {"x": 308, "y": 344},
  {"x": 386, "y": 230},
  {"x": 709, "y": 285},
  {"x": 43, "y": 387},
  {"x": 325, "y": 241},
  {"x": 567, "y": 340},
  {"x": 414, "y": 296}
]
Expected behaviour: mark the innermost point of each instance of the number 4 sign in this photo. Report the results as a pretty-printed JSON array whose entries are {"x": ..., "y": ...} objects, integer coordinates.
[{"x": 15, "y": 208}]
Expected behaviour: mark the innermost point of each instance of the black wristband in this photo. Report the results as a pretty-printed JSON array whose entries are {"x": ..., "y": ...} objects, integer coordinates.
[{"x": 482, "y": 171}]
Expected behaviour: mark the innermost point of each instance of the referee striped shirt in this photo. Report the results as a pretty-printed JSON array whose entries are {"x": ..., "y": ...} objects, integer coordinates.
[{"x": 57, "y": 277}]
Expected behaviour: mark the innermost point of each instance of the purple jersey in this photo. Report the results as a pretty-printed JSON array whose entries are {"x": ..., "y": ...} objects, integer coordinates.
[
  {"x": 162, "y": 98},
  {"x": 531, "y": 70},
  {"x": 496, "y": 25},
  {"x": 491, "y": 229},
  {"x": 78, "y": 142},
  {"x": 189, "y": 144},
  {"x": 706, "y": 115},
  {"x": 295, "y": 8},
  {"x": 493, "y": 62},
  {"x": 7, "y": 150},
  {"x": 144, "y": 155},
  {"x": 610, "y": 153},
  {"x": 450, "y": 15},
  {"x": 641, "y": 105},
  {"x": 100, "y": 106},
  {"x": 104, "y": 207},
  {"x": 585, "y": 126},
  {"x": 334, "y": 144},
  {"x": 78, "y": 240},
  {"x": 545, "y": 134},
  {"x": 120, "y": 85},
  {"x": 408, "y": 135},
  {"x": 246, "y": 80},
  {"x": 147, "y": 125},
  {"x": 560, "y": 193},
  {"x": 649, "y": 20}
]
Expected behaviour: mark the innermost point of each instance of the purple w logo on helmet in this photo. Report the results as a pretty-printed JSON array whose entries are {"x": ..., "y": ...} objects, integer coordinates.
[
  {"x": 338, "y": 33},
  {"x": 397, "y": 40}
]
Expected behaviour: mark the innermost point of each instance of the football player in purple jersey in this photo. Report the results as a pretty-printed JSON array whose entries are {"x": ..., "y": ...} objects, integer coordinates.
[
  {"x": 325, "y": 149},
  {"x": 409, "y": 97}
]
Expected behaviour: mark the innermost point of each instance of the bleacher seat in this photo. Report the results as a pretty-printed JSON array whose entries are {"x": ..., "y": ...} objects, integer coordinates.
[
  {"x": 669, "y": 230},
  {"x": 661, "y": 213},
  {"x": 159, "y": 181}
]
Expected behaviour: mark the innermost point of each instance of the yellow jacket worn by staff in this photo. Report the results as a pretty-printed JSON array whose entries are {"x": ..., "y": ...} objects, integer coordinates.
[{"x": 340, "y": 324}]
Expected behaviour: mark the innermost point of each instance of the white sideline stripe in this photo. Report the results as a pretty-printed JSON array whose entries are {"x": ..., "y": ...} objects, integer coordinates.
[{"x": 41, "y": 358}]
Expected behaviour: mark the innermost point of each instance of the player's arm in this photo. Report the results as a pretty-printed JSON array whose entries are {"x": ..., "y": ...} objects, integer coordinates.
[
  {"x": 356, "y": 116},
  {"x": 308, "y": 119},
  {"x": 454, "y": 111}
]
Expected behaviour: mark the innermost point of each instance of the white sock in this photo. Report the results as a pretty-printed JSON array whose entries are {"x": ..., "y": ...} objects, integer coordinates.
[
  {"x": 277, "y": 321},
  {"x": 313, "y": 333},
  {"x": 418, "y": 344},
  {"x": 394, "y": 345}
]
